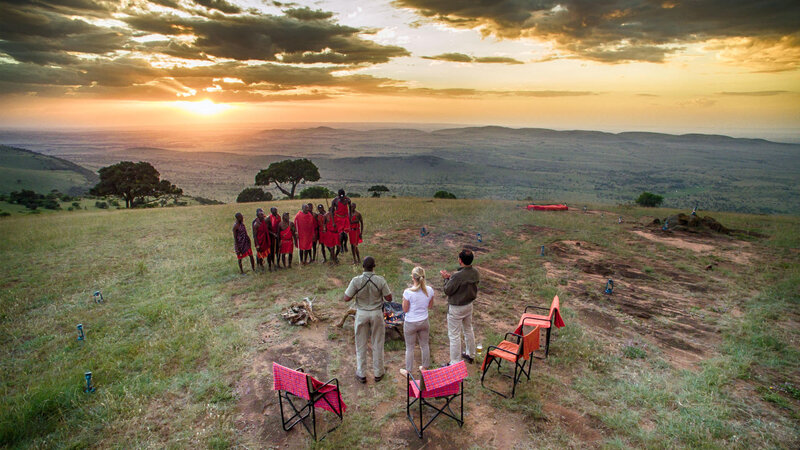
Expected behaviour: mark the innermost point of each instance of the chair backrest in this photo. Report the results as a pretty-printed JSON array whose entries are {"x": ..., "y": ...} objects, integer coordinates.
[
  {"x": 293, "y": 381},
  {"x": 530, "y": 342},
  {"x": 553, "y": 306},
  {"x": 444, "y": 376}
]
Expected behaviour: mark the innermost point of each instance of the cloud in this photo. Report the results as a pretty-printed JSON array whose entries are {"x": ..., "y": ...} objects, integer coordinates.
[
  {"x": 618, "y": 30},
  {"x": 754, "y": 93},
  {"x": 111, "y": 49},
  {"x": 463, "y": 58}
]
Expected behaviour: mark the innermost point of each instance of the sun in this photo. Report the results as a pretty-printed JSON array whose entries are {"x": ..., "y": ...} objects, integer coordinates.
[{"x": 203, "y": 107}]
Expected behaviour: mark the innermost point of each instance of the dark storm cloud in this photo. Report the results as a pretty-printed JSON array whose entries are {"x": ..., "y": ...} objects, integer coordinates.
[
  {"x": 461, "y": 57},
  {"x": 308, "y": 14},
  {"x": 617, "y": 30}
]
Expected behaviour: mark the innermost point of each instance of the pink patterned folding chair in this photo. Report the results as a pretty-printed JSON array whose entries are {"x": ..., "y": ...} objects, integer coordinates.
[
  {"x": 310, "y": 393},
  {"x": 445, "y": 384}
]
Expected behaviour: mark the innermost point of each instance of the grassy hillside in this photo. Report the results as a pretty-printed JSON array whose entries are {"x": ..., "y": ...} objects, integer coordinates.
[
  {"x": 23, "y": 169},
  {"x": 697, "y": 347}
]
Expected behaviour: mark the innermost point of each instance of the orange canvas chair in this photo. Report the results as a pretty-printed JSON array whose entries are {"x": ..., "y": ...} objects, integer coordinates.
[
  {"x": 310, "y": 393},
  {"x": 446, "y": 384},
  {"x": 518, "y": 351},
  {"x": 544, "y": 322}
]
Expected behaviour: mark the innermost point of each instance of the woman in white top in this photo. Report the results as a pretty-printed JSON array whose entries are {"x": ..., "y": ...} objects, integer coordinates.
[{"x": 416, "y": 302}]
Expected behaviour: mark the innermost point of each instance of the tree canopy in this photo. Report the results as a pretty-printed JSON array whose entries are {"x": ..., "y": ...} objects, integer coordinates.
[
  {"x": 291, "y": 171},
  {"x": 133, "y": 182},
  {"x": 316, "y": 192},
  {"x": 444, "y": 194},
  {"x": 649, "y": 199},
  {"x": 377, "y": 190},
  {"x": 253, "y": 194}
]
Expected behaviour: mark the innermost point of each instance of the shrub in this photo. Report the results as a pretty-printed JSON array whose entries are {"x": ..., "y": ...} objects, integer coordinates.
[
  {"x": 253, "y": 194},
  {"x": 316, "y": 192},
  {"x": 649, "y": 200},
  {"x": 76, "y": 204},
  {"x": 5, "y": 214},
  {"x": 101, "y": 205},
  {"x": 444, "y": 194}
]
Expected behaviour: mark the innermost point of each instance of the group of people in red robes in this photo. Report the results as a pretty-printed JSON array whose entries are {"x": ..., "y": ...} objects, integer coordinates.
[{"x": 276, "y": 236}]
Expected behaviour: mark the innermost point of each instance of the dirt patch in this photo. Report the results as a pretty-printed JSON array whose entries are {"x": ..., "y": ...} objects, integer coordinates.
[
  {"x": 674, "y": 241},
  {"x": 573, "y": 421}
]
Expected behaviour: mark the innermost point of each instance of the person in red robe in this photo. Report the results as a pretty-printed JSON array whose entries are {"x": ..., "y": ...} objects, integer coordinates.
[
  {"x": 241, "y": 242},
  {"x": 288, "y": 235},
  {"x": 356, "y": 230},
  {"x": 274, "y": 222},
  {"x": 330, "y": 237},
  {"x": 316, "y": 233},
  {"x": 304, "y": 224},
  {"x": 323, "y": 238},
  {"x": 261, "y": 236},
  {"x": 341, "y": 215}
]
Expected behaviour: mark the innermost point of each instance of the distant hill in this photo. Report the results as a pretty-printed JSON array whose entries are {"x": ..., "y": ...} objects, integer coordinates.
[
  {"x": 24, "y": 169},
  {"x": 712, "y": 171}
]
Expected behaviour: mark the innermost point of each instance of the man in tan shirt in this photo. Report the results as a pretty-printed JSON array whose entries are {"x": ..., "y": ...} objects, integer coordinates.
[{"x": 369, "y": 291}]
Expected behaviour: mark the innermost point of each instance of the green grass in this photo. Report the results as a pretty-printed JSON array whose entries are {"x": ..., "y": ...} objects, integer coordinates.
[{"x": 180, "y": 329}]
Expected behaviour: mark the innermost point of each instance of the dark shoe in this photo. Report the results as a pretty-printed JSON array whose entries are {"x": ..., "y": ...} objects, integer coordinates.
[
  {"x": 363, "y": 380},
  {"x": 467, "y": 358},
  {"x": 377, "y": 379}
]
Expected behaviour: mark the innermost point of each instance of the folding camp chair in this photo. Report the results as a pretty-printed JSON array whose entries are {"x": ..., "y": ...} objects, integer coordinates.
[
  {"x": 445, "y": 383},
  {"x": 544, "y": 322},
  {"x": 517, "y": 352},
  {"x": 311, "y": 393}
]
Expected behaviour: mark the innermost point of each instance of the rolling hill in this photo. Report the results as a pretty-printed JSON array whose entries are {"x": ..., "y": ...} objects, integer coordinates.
[
  {"x": 24, "y": 169},
  {"x": 714, "y": 172}
]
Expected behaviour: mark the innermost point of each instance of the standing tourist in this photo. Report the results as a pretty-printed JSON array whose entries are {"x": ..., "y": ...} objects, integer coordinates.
[
  {"x": 417, "y": 300},
  {"x": 461, "y": 289}
]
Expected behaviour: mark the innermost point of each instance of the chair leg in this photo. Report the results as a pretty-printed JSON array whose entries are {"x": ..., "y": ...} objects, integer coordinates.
[{"x": 547, "y": 343}]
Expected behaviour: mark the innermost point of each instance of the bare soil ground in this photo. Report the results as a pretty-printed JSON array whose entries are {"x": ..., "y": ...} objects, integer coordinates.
[{"x": 667, "y": 297}]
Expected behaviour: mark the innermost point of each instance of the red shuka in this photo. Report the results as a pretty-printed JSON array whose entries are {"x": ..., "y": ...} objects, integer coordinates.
[
  {"x": 262, "y": 237},
  {"x": 287, "y": 240},
  {"x": 341, "y": 217},
  {"x": 355, "y": 233},
  {"x": 304, "y": 223}
]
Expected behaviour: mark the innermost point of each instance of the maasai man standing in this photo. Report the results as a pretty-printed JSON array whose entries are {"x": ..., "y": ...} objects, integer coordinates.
[
  {"x": 329, "y": 236},
  {"x": 274, "y": 239},
  {"x": 341, "y": 211},
  {"x": 323, "y": 238},
  {"x": 288, "y": 234},
  {"x": 304, "y": 223},
  {"x": 316, "y": 232},
  {"x": 356, "y": 230},
  {"x": 241, "y": 242},
  {"x": 261, "y": 236}
]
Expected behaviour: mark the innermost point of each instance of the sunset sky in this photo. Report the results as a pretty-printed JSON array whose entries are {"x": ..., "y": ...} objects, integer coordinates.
[{"x": 729, "y": 67}]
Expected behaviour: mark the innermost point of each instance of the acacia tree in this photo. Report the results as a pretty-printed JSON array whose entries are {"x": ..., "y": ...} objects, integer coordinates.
[
  {"x": 133, "y": 181},
  {"x": 291, "y": 171},
  {"x": 377, "y": 190}
]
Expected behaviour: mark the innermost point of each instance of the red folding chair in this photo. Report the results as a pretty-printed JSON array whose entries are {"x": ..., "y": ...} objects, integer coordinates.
[
  {"x": 446, "y": 384},
  {"x": 519, "y": 352},
  {"x": 544, "y": 322},
  {"x": 311, "y": 393}
]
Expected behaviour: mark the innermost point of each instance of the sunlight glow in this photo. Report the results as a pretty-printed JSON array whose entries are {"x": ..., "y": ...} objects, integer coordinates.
[{"x": 203, "y": 108}]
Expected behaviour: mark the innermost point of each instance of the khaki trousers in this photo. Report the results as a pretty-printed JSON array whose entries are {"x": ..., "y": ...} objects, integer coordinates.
[
  {"x": 417, "y": 332},
  {"x": 459, "y": 320},
  {"x": 369, "y": 324}
]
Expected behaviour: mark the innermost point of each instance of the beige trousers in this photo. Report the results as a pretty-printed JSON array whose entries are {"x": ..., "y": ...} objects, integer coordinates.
[
  {"x": 417, "y": 332},
  {"x": 369, "y": 325},
  {"x": 459, "y": 320}
]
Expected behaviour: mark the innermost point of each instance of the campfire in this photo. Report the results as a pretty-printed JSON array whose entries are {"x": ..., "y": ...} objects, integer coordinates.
[
  {"x": 301, "y": 313},
  {"x": 393, "y": 314}
]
